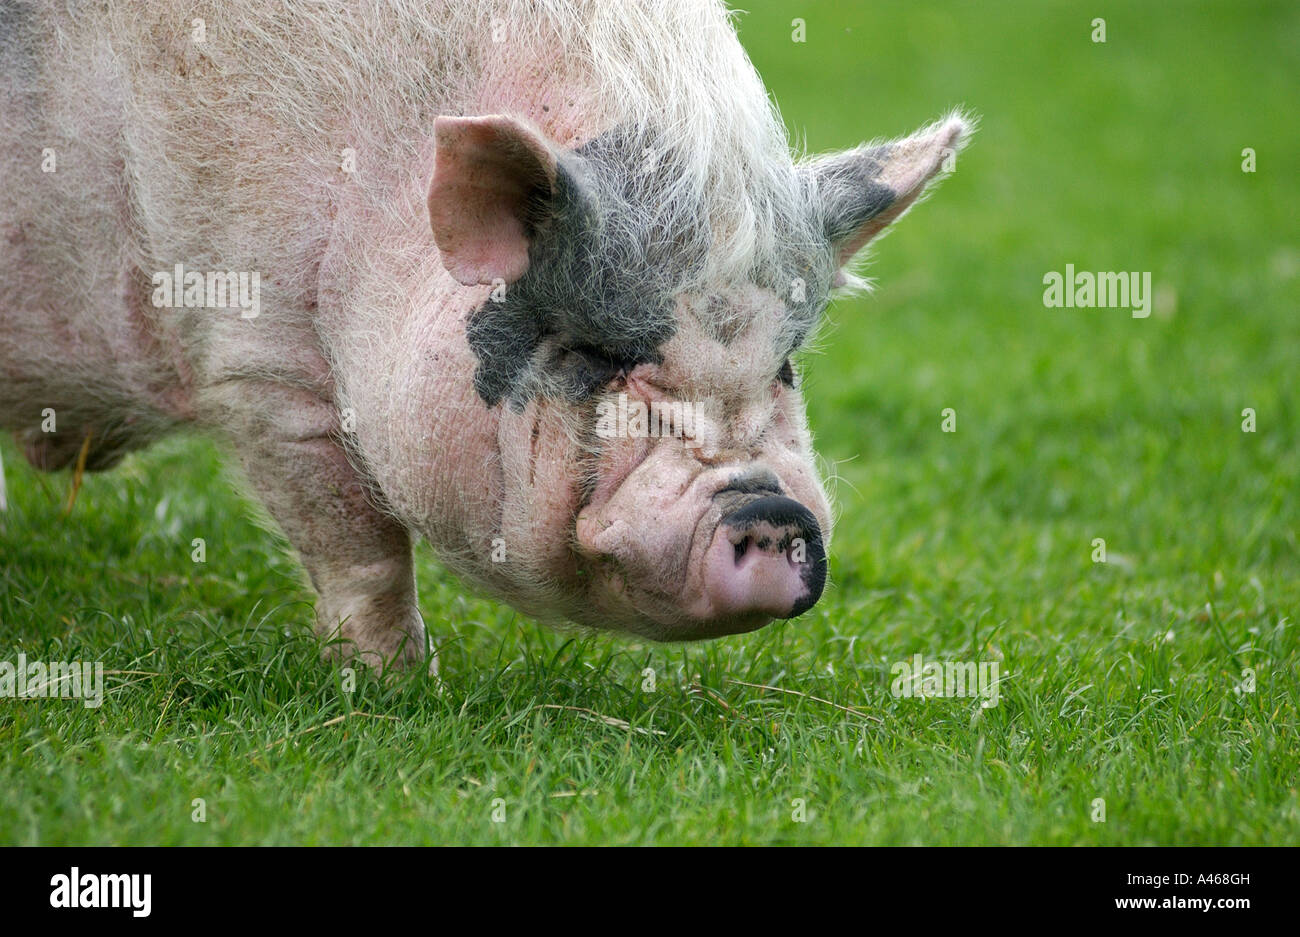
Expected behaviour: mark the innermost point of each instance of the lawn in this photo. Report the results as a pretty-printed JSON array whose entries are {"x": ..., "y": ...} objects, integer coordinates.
[{"x": 1150, "y": 698}]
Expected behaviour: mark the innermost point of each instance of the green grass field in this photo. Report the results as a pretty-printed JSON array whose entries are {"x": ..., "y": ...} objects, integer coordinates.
[{"x": 1127, "y": 681}]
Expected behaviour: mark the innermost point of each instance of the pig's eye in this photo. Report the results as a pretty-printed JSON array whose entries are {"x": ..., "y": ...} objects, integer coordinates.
[
  {"x": 786, "y": 374},
  {"x": 585, "y": 369}
]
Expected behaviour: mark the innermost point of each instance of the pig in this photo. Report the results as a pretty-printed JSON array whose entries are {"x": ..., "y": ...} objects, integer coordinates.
[{"x": 402, "y": 258}]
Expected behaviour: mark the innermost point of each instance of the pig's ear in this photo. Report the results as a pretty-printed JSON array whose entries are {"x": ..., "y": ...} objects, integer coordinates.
[
  {"x": 491, "y": 176},
  {"x": 861, "y": 192}
]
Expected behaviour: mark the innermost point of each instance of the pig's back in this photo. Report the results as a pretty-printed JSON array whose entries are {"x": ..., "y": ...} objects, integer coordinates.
[{"x": 137, "y": 138}]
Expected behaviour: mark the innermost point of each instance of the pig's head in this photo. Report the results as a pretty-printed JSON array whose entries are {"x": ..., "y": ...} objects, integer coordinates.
[{"x": 655, "y": 470}]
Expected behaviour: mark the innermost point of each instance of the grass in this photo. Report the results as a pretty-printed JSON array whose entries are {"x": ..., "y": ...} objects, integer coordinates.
[{"x": 1121, "y": 681}]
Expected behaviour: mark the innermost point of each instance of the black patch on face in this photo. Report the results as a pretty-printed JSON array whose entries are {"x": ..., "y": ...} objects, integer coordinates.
[{"x": 597, "y": 297}]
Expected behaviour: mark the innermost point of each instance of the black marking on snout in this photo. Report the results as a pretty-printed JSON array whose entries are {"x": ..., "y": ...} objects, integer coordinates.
[
  {"x": 793, "y": 521},
  {"x": 759, "y": 481}
]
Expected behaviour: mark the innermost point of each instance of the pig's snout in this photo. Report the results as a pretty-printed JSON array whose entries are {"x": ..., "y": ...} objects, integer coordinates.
[{"x": 766, "y": 560}]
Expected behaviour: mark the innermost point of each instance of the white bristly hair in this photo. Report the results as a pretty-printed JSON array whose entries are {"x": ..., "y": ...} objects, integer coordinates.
[{"x": 279, "y": 87}]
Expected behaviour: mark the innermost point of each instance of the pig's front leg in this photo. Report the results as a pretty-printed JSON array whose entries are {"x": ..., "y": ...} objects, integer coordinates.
[{"x": 359, "y": 558}]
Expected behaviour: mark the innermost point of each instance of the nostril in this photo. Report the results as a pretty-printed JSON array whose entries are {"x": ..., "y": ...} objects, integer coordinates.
[{"x": 741, "y": 548}]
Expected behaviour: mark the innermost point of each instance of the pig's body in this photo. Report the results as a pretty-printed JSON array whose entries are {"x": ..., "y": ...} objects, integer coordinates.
[{"x": 383, "y": 388}]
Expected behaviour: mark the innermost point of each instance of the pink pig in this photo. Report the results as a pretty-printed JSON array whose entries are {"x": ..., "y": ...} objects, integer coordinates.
[{"x": 522, "y": 278}]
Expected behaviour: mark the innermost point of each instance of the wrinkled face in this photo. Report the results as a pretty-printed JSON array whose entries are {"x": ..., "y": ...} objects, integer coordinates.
[
  {"x": 712, "y": 520},
  {"x": 656, "y": 472},
  {"x": 674, "y": 497}
]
